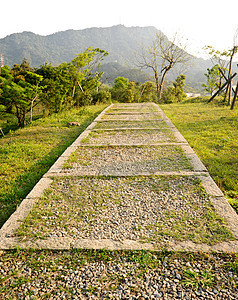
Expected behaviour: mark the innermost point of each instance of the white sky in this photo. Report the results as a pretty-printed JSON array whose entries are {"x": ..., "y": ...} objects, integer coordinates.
[{"x": 199, "y": 23}]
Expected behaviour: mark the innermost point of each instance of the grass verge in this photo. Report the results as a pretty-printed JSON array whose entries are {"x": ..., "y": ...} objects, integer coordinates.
[
  {"x": 26, "y": 154},
  {"x": 212, "y": 131}
]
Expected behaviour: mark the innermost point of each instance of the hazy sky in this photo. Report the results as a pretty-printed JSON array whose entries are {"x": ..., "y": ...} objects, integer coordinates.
[{"x": 199, "y": 23}]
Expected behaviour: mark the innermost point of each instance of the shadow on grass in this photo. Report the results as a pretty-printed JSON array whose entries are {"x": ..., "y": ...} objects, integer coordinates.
[{"x": 24, "y": 183}]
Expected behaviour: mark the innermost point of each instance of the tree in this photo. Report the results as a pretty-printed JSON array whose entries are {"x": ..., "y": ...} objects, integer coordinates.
[
  {"x": 123, "y": 90},
  {"x": 214, "y": 79},
  {"x": 19, "y": 90},
  {"x": 119, "y": 88},
  {"x": 56, "y": 86},
  {"x": 85, "y": 73},
  {"x": 175, "y": 93},
  {"x": 224, "y": 60},
  {"x": 162, "y": 56},
  {"x": 147, "y": 92},
  {"x": 74, "y": 83},
  {"x": 179, "y": 85}
]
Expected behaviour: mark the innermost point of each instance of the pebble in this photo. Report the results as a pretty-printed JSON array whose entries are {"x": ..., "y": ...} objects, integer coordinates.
[
  {"x": 115, "y": 279},
  {"x": 135, "y": 215}
]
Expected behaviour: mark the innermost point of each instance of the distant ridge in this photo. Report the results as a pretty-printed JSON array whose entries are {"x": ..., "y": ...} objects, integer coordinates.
[{"x": 121, "y": 42}]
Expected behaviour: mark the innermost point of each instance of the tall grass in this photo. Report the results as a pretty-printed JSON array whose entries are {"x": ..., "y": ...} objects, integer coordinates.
[{"x": 26, "y": 154}]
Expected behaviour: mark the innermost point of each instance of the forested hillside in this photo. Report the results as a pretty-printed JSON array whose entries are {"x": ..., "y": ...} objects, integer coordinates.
[{"x": 121, "y": 42}]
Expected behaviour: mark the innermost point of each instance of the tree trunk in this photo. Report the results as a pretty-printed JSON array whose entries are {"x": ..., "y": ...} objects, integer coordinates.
[
  {"x": 162, "y": 82},
  {"x": 229, "y": 87},
  {"x": 235, "y": 95}
]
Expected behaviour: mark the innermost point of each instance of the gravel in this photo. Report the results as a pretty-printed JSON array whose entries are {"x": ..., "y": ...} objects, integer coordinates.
[
  {"x": 126, "y": 160},
  {"x": 130, "y": 109},
  {"x": 145, "y": 209},
  {"x": 131, "y": 124},
  {"x": 117, "y": 275},
  {"x": 135, "y": 117},
  {"x": 129, "y": 137}
]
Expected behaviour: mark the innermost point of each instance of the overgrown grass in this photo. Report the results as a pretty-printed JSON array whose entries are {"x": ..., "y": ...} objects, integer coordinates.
[
  {"x": 212, "y": 131},
  {"x": 26, "y": 154}
]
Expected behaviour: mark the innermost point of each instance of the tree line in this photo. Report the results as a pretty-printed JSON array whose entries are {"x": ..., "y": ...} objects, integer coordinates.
[
  {"x": 54, "y": 87},
  {"x": 78, "y": 83}
]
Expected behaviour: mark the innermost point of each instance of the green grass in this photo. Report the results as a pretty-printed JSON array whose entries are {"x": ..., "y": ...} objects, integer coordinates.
[
  {"x": 212, "y": 131},
  {"x": 26, "y": 154}
]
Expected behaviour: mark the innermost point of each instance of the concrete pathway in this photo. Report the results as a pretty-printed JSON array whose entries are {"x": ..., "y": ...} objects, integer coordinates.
[{"x": 129, "y": 181}]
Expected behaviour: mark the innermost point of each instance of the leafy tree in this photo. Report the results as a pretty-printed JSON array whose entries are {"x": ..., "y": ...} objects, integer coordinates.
[
  {"x": 123, "y": 90},
  {"x": 72, "y": 83},
  {"x": 213, "y": 79},
  {"x": 129, "y": 94},
  {"x": 147, "y": 92},
  {"x": 121, "y": 83},
  {"x": 179, "y": 85},
  {"x": 175, "y": 93},
  {"x": 5, "y": 79},
  {"x": 85, "y": 74},
  {"x": 57, "y": 86},
  {"x": 20, "y": 90},
  {"x": 103, "y": 95},
  {"x": 119, "y": 88},
  {"x": 224, "y": 60}
]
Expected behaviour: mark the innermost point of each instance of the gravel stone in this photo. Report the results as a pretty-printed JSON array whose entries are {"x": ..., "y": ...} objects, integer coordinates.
[
  {"x": 146, "y": 208},
  {"x": 126, "y": 160},
  {"x": 131, "y": 124},
  {"x": 129, "y": 137}
]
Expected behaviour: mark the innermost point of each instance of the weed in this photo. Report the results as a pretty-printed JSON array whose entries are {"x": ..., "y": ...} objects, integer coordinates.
[{"x": 196, "y": 279}]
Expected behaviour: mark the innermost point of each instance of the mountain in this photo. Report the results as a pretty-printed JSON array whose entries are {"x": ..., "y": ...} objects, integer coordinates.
[{"x": 121, "y": 42}]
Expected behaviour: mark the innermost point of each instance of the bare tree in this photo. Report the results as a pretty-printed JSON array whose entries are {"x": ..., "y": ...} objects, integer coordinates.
[{"x": 161, "y": 56}]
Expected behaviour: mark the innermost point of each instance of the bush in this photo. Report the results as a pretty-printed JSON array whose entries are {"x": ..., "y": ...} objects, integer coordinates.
[
  {"x": 175, "y": 93},
  {"x": 102, "y": 96}
]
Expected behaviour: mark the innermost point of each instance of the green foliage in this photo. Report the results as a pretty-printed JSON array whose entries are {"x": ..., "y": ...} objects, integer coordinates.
[
  {"x": 214, "y": 79},
  {"x": 175, "y": 93},
  {"x": 72, "y": 83},
  {"x": 121, "y": 83},
  {"x": 85, "y": 74},
  {"x": 123, "y": 90},
  {"x": 103, "y": 95},
  {"x": 54, "y": 87},
  {"x": 147, "y": 92},
  {"x": 19, "y": 90},
  {"x": 195, "y": 279}
]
